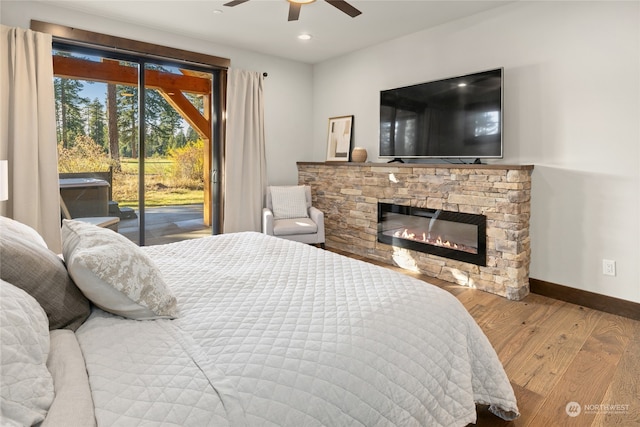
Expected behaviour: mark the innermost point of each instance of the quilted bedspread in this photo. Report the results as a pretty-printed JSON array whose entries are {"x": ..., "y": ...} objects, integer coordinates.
[{"x": 277, "y": 333}]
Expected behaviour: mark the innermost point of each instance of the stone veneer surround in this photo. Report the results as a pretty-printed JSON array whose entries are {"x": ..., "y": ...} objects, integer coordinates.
[{"x": 348, "y": 194}]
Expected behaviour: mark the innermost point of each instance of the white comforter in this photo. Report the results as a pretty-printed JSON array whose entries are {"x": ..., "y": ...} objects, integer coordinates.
[{"x": 278, "y": 333}]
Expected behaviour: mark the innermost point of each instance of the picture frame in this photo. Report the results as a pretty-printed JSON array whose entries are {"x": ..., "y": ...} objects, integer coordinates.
[{"x": 339, "y": 139}]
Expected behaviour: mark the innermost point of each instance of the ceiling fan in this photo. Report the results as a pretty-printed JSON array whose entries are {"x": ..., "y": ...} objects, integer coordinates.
[{"x": 295, "y": 5}]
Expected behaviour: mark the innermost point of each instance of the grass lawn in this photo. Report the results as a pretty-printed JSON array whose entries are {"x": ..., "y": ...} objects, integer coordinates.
[
  {"x": 152, "y": 166},
  {"x": 161, "y": 189}
]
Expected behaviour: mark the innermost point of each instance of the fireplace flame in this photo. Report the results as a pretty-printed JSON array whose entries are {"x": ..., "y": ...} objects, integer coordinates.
[{"x": 437, "y": 241}]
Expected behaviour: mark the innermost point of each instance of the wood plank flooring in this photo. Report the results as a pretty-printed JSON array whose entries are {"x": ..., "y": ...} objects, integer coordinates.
[{"x": 556, "y": 353}]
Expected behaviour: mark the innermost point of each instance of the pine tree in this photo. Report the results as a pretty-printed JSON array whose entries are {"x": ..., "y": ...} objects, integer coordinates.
[
  {"x": 96, "y": 126},
  {"x": 69, "y": 106},
  {"x": 127, "y": 102}
]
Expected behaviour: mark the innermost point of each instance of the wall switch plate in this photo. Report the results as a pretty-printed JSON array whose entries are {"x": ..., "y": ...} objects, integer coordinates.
[{"x": 608, "y": 267}]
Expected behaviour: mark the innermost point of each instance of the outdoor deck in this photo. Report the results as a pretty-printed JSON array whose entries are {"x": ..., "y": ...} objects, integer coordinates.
[{"x": 167, "y": 224}]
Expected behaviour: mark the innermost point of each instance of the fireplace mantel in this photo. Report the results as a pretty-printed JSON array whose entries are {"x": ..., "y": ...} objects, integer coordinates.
[
  {"x": 420, "y": 165},
  {"x": 348, "y": 194}
]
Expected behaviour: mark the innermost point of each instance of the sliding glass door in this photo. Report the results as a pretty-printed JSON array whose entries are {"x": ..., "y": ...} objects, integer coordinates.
[
  {"x": 151, "y": 136},
  {"x": 177, "y": 153}
]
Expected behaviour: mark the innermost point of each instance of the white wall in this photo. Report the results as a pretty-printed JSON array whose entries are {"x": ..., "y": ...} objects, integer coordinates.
[
  {"x": 572, "y": 99},
  {"x": 288, "y": 88},
  {"x": 572, "y": 108}
]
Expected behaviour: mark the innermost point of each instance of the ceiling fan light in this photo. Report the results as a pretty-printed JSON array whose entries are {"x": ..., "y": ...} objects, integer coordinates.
[{"x": 301, "y": 1}]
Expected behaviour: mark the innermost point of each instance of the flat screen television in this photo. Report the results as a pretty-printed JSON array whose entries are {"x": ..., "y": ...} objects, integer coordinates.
[{"x": 458, "y": 117}]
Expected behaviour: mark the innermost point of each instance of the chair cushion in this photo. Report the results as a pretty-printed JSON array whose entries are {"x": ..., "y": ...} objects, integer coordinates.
[
  {"x": 289, "y": 202},
  {"x": 288, "y": 227}
]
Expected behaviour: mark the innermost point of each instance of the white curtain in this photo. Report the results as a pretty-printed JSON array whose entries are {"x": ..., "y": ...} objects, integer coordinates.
[
  {"x": 28, "y": 132},
  {"x": 245, "y": 159}
]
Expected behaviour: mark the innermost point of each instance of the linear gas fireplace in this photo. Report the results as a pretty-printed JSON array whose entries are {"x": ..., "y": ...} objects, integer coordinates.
[{"x": 453, "y": 235}]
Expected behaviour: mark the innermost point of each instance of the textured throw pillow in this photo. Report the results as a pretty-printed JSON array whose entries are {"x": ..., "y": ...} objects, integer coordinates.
[
  {"x": 114, "y": 273},
  {"x": 289, "y": 202},
  {"x": 15, "y": 227},
  {"x": 27, "y": 386},
  {"x": 42, "y": 274}
]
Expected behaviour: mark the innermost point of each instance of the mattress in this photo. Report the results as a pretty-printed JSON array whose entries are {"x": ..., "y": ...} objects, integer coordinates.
[{"x": 273, "y": 332}]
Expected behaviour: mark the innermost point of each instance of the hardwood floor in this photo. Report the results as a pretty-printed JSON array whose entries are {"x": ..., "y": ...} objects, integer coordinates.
[{"x": 556, "y": 353}]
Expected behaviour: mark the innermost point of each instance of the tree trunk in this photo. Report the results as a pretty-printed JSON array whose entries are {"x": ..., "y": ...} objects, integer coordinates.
[
  {"x": 63, "y": 115},
  {"x": 134, "y": 140},
  {"x": 112, "y": 115}
]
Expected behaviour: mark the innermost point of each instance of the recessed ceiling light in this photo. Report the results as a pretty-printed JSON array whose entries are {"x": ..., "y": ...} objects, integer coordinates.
[
  {"x": 462, "y": 84},
  {"x": 304, "y": 36}
]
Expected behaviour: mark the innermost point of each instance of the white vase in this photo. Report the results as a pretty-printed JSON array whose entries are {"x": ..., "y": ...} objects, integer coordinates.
[{"x": 359, "y": 155}]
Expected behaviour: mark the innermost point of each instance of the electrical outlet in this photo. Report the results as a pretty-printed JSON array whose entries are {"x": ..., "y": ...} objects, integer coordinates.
[{"x": 608, "y": 267}]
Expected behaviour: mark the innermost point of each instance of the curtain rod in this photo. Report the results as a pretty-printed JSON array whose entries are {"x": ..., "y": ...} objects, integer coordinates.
[{"x": 265, "y": 74}]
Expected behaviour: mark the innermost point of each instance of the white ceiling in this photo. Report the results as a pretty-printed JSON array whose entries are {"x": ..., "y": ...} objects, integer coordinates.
[{"x": 262, "y": 26}]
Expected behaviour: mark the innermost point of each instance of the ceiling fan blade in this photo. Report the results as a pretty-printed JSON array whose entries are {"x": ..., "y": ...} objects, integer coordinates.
[
  {"x": 345, "y": 7},
  {"x": 235, "y": 3},
  {"x": 294, "y": 11}
]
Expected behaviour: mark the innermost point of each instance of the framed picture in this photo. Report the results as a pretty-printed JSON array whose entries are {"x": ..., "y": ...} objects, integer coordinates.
[{"x": 339, "y": 139}]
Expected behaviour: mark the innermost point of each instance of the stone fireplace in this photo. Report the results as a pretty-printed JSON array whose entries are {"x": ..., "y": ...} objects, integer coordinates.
[
  {"x": 350, "y": 194},
  {"x": 452, "y": 235}
]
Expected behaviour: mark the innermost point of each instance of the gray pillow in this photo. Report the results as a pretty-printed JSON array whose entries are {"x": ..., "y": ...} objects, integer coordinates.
[{"x": 43, "y": 275}]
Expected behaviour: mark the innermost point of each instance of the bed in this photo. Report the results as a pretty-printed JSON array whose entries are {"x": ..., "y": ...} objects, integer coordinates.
[{"x": 240, "y": 329}]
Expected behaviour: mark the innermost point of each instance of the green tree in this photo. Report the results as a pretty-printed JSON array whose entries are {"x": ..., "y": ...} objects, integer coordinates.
[
  {"x": 162, "y": 121},
  {"x": 127, "y": 103},
  {"x": 192, "y": 135},
  {"x": 178, "y": 140},
  {"x": 163, "y": 125},
  {"x": 197, "y": 101},
  {"x": 69, "y": 106},
  {"x": 96, "y": 124},
  {"x": 157, "y": 133}
]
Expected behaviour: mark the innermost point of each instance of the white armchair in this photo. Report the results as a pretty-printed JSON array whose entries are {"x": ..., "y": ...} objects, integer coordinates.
[{"x": 288, "y": 214}]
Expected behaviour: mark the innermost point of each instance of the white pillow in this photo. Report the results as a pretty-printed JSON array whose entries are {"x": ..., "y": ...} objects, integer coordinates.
[
  {"x": 26, "y": 390},
  {"x": 114, "y": 273},
  {"x": 23, "y": 230},
  {"x": 289, "y": 202}
]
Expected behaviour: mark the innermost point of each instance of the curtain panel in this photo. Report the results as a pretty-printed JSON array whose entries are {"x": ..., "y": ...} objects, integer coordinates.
[
  {"x": 28, "y": 132},
  {"x": 245, "y": 158}
]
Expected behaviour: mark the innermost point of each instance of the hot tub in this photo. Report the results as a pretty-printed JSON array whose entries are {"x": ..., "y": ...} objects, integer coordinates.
[{"x": 85, "y": 197}]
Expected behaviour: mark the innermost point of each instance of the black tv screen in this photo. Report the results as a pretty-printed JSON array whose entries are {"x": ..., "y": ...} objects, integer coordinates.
[{"x": 459, "y": 117}]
